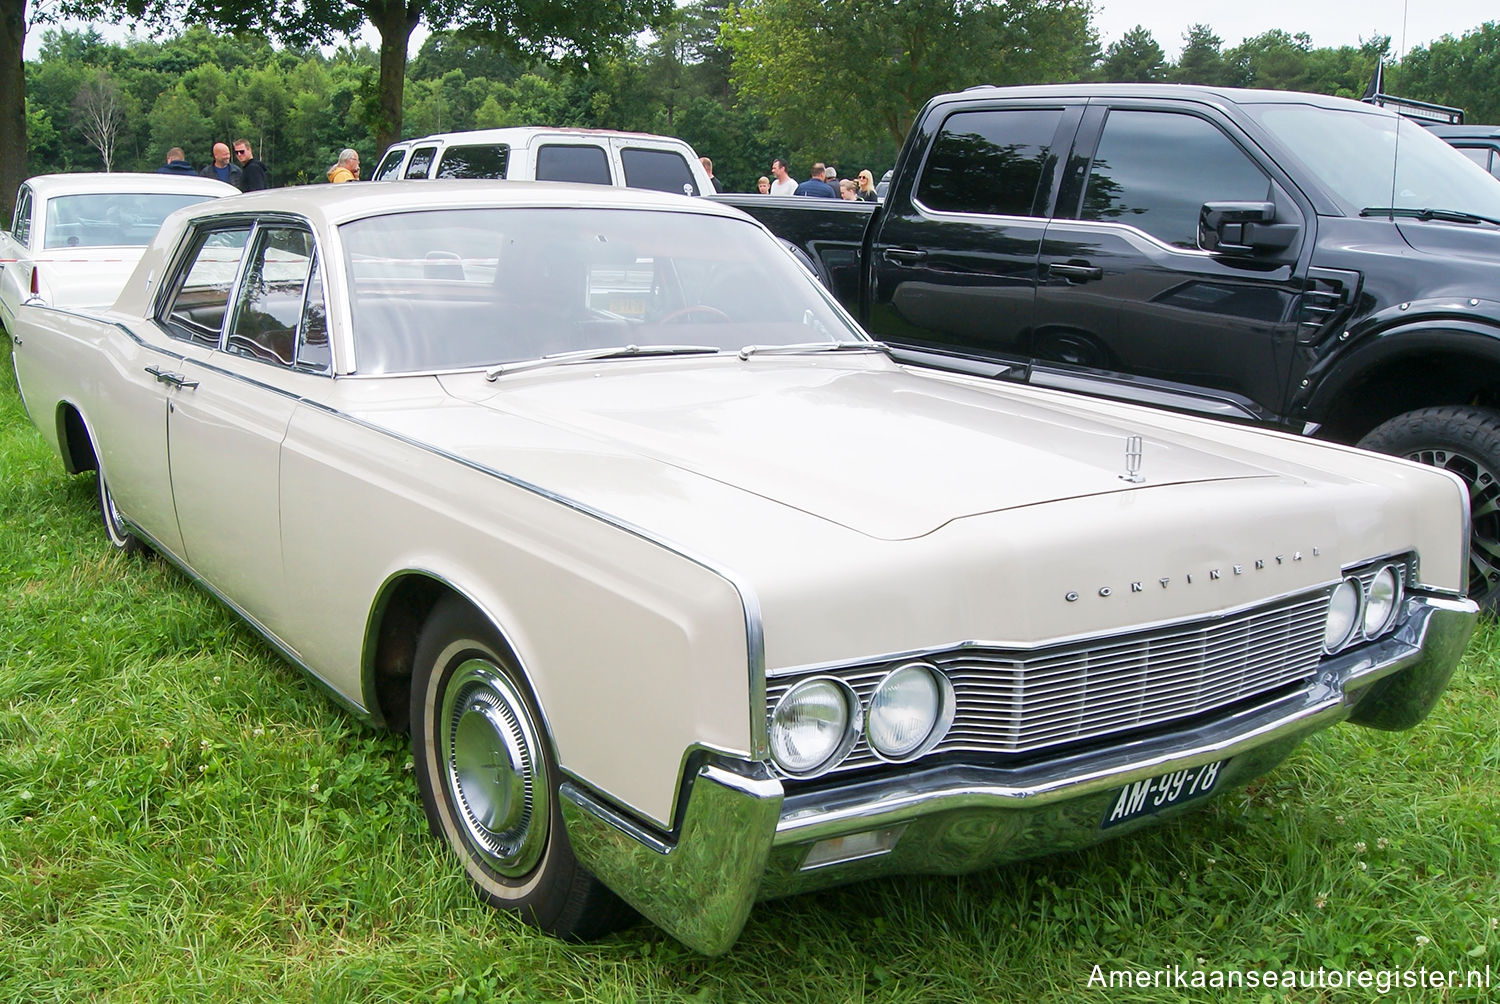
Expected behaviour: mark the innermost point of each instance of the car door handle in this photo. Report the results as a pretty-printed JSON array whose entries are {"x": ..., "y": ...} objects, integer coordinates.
[
  {"x": 903, "y": 256},
  {"x": 175, "y": 379},
  {"x": 1075, "y": 273}
]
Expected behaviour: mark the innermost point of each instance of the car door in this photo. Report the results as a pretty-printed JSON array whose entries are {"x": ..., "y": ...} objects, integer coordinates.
[
  {"x": 248, "y": 289},
  {"x": 953, "y": 262},
  {"x": 15, "y": 258},
  {"x": 1128, "y": 304}
]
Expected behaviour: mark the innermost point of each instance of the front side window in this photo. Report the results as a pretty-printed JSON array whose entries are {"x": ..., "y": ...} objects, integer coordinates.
[
  {"x": 457, "y": 289},
  {"x": 274, "y": 292},
  {"x": 585, "y": 164},
  {"x": 421, "y": 160},
  {"x": 119, "y": 219},
  {"x": 989, "y": 162},
  {"x": 199, "y": 298},
  {"x": 482, "y": 160},
  {"x": 658, "y": 170},
  {"x": 1155, "y": 170},
  {"x": 389, "y": 168}
]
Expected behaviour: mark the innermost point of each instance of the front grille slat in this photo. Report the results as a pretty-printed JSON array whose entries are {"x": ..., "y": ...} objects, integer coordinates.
[{"x": 1020, "y": 702}]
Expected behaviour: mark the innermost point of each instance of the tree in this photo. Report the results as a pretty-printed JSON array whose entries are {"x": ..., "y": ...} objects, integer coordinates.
[
  {"x": 100, "y": 112},
  {"x": 1463, "y": 71},
  {"x": 1202, "y": 59},
  {"x": 1136, "y": 58},
  {"x": 836, "y": 73}
]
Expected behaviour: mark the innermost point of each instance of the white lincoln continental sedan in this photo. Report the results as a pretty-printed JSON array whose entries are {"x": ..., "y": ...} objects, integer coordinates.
[{"x": 688, "y": 592}]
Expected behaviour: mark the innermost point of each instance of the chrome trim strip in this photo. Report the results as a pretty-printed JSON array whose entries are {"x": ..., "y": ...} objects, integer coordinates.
[{"x": 364, "y": 714}]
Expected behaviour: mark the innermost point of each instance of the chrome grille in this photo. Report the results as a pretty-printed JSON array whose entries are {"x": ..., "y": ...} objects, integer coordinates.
[{"x": 1016, "y": 702}]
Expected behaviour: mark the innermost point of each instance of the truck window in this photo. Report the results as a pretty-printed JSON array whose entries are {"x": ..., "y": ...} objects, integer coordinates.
[
  {"x": 659, "y": 170},
  {"x": 389, "y": 168},
  {"x": 989, "y": 161},
  {"x": 482, "y": 160},
  {"x": 421, "y": 160},
  {"x": 1155, "y": 170},
  {"x": 586, "y": 164}
]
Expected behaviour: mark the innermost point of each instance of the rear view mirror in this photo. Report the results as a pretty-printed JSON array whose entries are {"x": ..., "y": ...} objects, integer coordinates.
[{"x": 1242, "y": 228}]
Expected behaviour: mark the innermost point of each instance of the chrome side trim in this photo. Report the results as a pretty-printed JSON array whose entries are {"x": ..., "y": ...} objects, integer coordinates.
[
  {"x": 364, "y": 714},
  {"x": 700, "y": 886}
]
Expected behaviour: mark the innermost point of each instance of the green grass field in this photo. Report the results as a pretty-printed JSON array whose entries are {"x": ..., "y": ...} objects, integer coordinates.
[{"x": 183, "y": 817}]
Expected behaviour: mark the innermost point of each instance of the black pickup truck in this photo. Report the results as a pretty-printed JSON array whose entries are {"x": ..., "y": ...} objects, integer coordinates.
[{"x": 1299, "y": 261}]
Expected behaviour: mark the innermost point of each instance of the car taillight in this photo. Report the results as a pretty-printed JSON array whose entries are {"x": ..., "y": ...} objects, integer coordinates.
[{"x": 36, "y": 283}]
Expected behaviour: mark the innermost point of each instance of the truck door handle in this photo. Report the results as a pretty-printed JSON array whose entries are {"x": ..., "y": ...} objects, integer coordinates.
[
  {"x": 1076, "y": 273},
  {"x": 175, "y": 379},
  {"x": 903, "y": 256}
]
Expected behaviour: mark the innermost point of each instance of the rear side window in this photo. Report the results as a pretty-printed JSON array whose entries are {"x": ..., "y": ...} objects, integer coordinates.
[
  {"x": 1155, "y": 170},
  {"x": 21, "y": 227},
  {"x": 483, "y": 160},
  {"x": 271, "y": 303},
  {"x": 989, "y": 162},
  {"x": 586, "y": 164},
  {"x": 421, "y": 160},
  {"x": 200, "y": 296},
  {"x": 659, "y": 170}
]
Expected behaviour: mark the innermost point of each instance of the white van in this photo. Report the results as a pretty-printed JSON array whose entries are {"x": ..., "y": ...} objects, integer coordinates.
[{"x": 532, "y": 153}]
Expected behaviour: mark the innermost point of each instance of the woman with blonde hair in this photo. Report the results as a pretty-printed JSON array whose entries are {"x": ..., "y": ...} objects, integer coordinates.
[{"x": 867, "y": 187}]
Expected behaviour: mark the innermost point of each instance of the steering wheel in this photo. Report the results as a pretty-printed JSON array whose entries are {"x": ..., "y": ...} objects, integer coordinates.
[{"x": 711, "y": 313}]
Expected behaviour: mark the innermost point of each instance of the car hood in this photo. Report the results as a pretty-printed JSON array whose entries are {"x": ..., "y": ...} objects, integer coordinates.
[
  {"x": 1474, "y": 241},
  {"x": 867, "y": 445}
]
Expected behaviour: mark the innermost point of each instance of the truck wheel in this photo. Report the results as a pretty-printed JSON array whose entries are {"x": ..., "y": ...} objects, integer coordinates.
[
  {"x": 1465, "y": 441},
  {"x": 488, "y": 780}
]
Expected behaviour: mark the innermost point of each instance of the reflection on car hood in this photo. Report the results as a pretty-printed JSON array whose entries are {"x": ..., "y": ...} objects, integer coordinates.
[
  {"x": 1474, "y": 241},
  {"x": 868, "y": 446}
]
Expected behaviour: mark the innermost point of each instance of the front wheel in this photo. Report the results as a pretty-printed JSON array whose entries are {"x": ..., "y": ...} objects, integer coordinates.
[
  {"x": 488, "y": 780},
  {"x": 1465, "y": 441}
]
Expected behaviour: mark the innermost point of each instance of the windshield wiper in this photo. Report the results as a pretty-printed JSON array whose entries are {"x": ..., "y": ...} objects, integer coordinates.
[
  {"x": 585, "y": 355},
  {"x": 1425, "y": 215},
  {"x": 798, "y": 348}
]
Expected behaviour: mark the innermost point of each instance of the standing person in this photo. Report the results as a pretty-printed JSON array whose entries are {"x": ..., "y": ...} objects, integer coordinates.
[
  {"x": 849, "y": 190},
  {"x": 346, "y": 168},
  {"x": 708, "y": 166},
  {"x": 256, "y": 175},
  {"x": 831, "y": 178},
  {"x": 762, "y": 184},
  {"x": 784, "y": 184},
  {"x": 815, "y": 186},
  {"x": 867, "y": 187},
  {"x": 222, "y": 169},
  {"x": 176, "y": 163}
]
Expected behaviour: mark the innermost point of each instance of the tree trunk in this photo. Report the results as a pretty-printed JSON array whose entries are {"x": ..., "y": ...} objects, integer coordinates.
[
  {"x": 394, "y": 20},
  {"x": 12, "y": 104}
]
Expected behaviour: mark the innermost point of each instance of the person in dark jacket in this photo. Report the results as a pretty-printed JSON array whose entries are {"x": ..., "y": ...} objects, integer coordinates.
[
  {"x": 816, "y": 186},
  {"x": 256, "y": 177},
  {"x": 222, "y": 169},
  {"x": 176, "y": 163}
]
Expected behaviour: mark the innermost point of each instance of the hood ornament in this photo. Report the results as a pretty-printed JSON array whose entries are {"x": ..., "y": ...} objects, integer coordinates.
[{"x": 1133, "y": 461}]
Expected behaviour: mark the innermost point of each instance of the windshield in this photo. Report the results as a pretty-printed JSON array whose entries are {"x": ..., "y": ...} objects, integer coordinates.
[
  {"x": 119, "y": 219},
  {"x": 459, "y": 289},
  {"x": 1352, "y": 153}
]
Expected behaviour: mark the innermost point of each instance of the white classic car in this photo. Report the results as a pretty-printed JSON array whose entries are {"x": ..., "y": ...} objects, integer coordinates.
[
  {"x": 76, "y": 238},
  {"x": 688, "y": 592}
]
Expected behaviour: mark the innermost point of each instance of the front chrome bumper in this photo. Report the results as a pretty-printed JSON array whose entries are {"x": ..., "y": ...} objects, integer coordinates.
[{"x": 740, "y": 837}]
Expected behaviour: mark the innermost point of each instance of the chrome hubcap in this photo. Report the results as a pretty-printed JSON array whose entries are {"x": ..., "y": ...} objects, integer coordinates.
[{"x": 496, "y": 779}]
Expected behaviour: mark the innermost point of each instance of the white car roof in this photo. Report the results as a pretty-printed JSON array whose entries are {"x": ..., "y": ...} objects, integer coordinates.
[
  {"x": 336, "y": 204},
  {"x": 522, "y": 135},
  {"x": 46, "y": 186}
]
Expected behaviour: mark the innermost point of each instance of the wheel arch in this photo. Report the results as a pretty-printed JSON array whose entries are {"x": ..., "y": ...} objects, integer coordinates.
[
  {"x": 402, "y": 606},
  {"x": 75, "y": 443},
  {"x": 1421, "y": 365}
]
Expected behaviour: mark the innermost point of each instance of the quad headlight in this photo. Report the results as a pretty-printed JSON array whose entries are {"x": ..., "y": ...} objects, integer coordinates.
[
  {"x": 814, "y": 725},
  {"x": 1382, "y": 600},
  {"x": 910, "y": 711},
  {"x": 1363, "y": 607},
  {"x": 1343, "y": 614}
]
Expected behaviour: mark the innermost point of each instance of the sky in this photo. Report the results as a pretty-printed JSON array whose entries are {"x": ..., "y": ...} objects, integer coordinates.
[{"x": 1330, "y": 23}]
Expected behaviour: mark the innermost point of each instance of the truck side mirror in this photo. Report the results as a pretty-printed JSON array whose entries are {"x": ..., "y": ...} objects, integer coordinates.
[{"x": 1242, "y": 228}]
